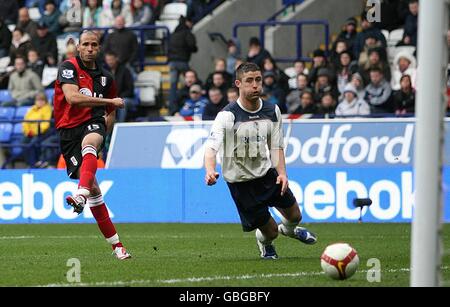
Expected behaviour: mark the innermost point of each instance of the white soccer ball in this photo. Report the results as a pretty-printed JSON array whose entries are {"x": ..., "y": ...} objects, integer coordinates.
[{"x": 339, "y": 261}]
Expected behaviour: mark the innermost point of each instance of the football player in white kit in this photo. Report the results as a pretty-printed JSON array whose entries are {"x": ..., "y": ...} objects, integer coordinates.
[{"x": 248, "y": 134}]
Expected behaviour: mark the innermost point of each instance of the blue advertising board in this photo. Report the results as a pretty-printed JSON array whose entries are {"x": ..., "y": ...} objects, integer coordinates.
[
  {"x": 162, "y": 195},
  {"x": 309, "y": 143},
  {"x": 155, "y": 174}
]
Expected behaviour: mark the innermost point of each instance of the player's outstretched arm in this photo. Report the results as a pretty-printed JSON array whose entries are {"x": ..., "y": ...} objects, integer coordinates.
[
  {"x": 211, "y": 175},
  {"x": 74, "y": 97}
]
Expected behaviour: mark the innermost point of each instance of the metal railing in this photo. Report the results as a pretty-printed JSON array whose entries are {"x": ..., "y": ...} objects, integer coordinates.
[{"x": 297, "y": 24}]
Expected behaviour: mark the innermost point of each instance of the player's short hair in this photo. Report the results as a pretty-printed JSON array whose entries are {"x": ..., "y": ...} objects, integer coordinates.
[
  {"x": 245, "y": 68},
  {"x": 89, "y": 32}
]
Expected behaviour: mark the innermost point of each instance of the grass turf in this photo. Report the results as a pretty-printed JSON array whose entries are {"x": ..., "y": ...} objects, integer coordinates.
[{"x": 198, "y": 255}]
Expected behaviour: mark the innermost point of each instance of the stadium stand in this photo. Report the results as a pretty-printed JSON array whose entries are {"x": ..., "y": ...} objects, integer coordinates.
[
  {"x": 148, "y": 84},
  {"x": 5, "y": 132},
  {"x": 173, "y": 11},
  {"x": 7, "y": 113}
]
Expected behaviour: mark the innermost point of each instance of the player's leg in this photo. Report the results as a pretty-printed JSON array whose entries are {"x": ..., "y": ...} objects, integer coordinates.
[
  {"x": 255, "y": 215},
  {"x": 89, "y": 147},
  {"x": 101, "y": 215},
  {"x": 265, "y": 235},
  {"x": 91, "y": 142},
  {"x": 291, "y": 217}
]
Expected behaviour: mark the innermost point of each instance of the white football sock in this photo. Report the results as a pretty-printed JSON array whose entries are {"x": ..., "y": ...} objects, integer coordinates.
[
  {"x": 113, "y": 240},
  {"x": 262, "y": 238},
  {"x": 287, "y": 228},
  {"x": 84, "y": 192}
]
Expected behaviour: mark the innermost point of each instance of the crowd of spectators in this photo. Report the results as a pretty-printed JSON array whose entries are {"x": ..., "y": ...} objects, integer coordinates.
[
  {"x": 30, "y": 54},
  {"x": 361, "y": 75}
]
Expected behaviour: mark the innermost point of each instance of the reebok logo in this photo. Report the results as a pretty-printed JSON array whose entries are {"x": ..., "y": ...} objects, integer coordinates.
[{"x": 36, "y": 200}]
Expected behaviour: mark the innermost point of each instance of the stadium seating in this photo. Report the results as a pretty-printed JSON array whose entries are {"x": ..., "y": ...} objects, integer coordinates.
[
  {"x": 20, "y": 112},
  {"x": 173, "y": 11},
  {"x": 16, "y": 139},
  {"x": 5, "y": 132},
  {"x": 394, "y": 37},
  {"x": 149, "y": 83},
  {"x": 386, "y": 34},
  {"x": 34, "y": 13},
  {"x": 5, "y": 95},
  {"x": 170, "y": 17},
  {"x": 171, "y": 24},
  {"x": 31, "y": 3},
  {"x": 7, "y": 113},
  {"x": 50, "y": 92},
  {"x": 4, "y": 62}
]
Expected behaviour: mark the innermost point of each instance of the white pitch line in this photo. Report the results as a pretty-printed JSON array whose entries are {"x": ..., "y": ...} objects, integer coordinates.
[
  {"x": 242, "y": 277},
  {"x": 48, "y": 237},
  {"x": 16, "y": 237},
  {"x": 211, "y": 278},
  {"x": 100, "y": 284},
  {"x": 124, "y": 236}
]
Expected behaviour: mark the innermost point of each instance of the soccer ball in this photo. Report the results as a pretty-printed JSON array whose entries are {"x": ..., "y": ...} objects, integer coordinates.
[{"x": 339, "y": 261}]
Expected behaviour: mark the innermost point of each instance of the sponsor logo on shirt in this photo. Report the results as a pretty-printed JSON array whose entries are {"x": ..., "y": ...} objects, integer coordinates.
[{"x": 85, "y": 91}]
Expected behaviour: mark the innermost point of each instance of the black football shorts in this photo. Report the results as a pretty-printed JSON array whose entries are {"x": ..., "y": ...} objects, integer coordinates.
[
  {"x": 254, "y": 197},
  {"x": 71, "y": 139}
]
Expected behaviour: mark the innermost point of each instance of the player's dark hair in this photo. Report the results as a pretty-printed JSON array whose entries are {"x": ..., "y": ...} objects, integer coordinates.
[{"x": 245, "y": 68}]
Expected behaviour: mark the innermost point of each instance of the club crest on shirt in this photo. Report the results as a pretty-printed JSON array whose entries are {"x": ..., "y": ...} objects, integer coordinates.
[
  {"x": 67, "y": 74},
  {"x": 103, "y": 81}
]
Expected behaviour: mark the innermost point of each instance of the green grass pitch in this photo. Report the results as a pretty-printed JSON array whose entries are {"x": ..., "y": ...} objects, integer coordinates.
[{"x": 198, "y": 255}]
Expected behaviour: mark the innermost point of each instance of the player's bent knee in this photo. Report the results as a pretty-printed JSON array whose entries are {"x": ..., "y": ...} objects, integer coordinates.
[
  {"x": 89, "y": 149},
  {"x": 95, "y": 191}
]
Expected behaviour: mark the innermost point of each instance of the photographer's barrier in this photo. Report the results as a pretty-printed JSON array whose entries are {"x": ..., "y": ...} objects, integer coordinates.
[{"x": 157, "y": 176}]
